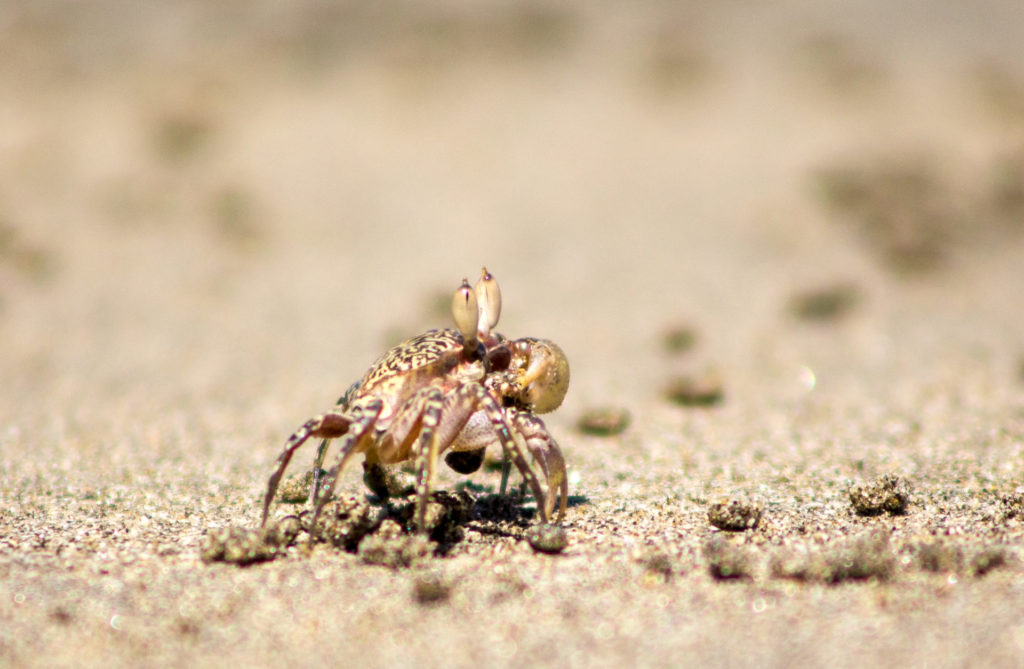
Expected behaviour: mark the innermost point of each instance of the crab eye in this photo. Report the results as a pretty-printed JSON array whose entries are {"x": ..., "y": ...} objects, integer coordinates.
[
  {"x": 466, "y": 313},
  {"x": 488, "y": 296},
  {"x": 499, "y": 358}
]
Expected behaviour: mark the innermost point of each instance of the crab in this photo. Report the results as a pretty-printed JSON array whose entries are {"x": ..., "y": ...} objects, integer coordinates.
[{"x": 450, "y": 391}]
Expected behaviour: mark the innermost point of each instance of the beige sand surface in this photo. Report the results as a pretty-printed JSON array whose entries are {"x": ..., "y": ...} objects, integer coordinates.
[{"x": 214, "y": 216}]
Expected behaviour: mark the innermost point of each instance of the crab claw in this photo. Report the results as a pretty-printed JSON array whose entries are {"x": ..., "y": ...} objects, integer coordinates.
[
  {"x": 543, "y": 373},
  {"x": 548, "y": 454}
]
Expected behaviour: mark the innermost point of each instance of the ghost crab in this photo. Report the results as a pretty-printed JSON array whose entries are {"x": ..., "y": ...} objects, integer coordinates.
[{"x": 458, "y": 391}]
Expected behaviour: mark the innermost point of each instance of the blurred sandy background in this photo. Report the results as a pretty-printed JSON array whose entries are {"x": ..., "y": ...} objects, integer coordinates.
[{"x": 213, "y": 216}]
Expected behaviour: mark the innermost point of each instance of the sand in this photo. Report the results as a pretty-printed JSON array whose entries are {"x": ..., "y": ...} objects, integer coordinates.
[{"x": 213, "y": 218}]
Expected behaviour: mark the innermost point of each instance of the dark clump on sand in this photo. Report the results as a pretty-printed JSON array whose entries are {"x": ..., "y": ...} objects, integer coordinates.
[
  {"x": 890, "y": 493},
  {"x": 344, "y": 521},
  {"x": 678, "y": 339},
  {"x": 864, "y": 556},
  {"x": 734, "y": 514},
  {"x": 660, "y": 564},
  {"x": 827, "y": 303},
  {"x": 988, "y": 559},
  {"x": 603, "y": 421},
  {"x": 903, "y": 209},
  {"x": 381, "y": 532},
  {"x": 431, "y": 588},
  {"x": 548, "y": 538},
  {"x": 699, "y": 389},
  {"x": 727, "y": 560},
  {"x": 1013, "y": 505},
  {"x": 939, "y": 554},
  {"x": 391, "y": 547},
  {"x": 915, "y": 215},
  {"x": 242, "y": 546}
]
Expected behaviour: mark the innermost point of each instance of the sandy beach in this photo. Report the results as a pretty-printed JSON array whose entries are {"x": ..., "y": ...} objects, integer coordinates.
[{"x": 785, "y": 244}]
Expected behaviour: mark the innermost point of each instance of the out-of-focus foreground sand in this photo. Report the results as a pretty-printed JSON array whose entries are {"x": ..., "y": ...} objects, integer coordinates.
[{"x": 213, "y": 216}]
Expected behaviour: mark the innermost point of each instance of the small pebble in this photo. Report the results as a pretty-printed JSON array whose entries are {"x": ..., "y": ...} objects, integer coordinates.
[
  {"x": 603, "y": 421},
  {"x": 1013, "y": 505},
  {"x": 344, "y": 521},
  {"x": 390, "y": 547},
  {"x": 679, "y": 339},
  {"x": 889, "y": 493},
  {"x": 548, "y": 538},
  {"x": 734, "y": 515},
  {"x": 700, "y": 390},
  {"x": 824, "y": 304},
  {"x": 243, "y": 545},
  {"x": 430, "y": 588}
]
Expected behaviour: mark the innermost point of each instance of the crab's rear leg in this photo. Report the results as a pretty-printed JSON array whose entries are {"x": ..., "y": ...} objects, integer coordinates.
[
  {"x": 361, "y": 426},
  {"x": 506, "y": 470},
  {"x": 426, "y": 452},
  {"x": 318, "y": 470},
  {"x": 328, "y": 425},
  {"x": 321, "y": 451},
  {"x": 424, "y": 427}
]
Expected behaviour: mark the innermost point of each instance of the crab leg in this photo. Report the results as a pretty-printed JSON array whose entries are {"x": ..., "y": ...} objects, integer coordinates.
[
  {"x": 546, "y": 452},
  {"x": 328, "y": 425},
  {"x": 318, "y": 470},
  {"x": 321, "y": 451},
  {"x": 439, "y": 420},
  {"x": 512, "y": 447},
  {"x": 506, "y": 469},
  {"x": 426, "y": 453},
  {"x": 426, "y": 426},
  {"x": 365, "y": 417}
]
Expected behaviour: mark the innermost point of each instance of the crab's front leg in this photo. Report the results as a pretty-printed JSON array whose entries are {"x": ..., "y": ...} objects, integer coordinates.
[
  {"x": 471, "y": 398},
  {"x": 548, "y": 454},
  {"x": 432, "y": 422}
]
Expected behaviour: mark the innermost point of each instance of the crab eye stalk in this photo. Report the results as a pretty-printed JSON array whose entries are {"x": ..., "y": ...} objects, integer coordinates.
[
  {"x": 466, "y": 313},
  {"x": 488, "y": 296}
]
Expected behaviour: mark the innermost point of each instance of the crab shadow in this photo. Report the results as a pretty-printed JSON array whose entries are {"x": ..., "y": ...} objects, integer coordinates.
[
  {"x": 480, "y": 491},
  {"x": 508, "y": 515}
]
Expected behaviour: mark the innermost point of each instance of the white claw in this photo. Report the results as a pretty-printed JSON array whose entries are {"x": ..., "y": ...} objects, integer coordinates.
[
  {"x": 466, "y": 311},
  {"x": 488, "y": 296}
]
